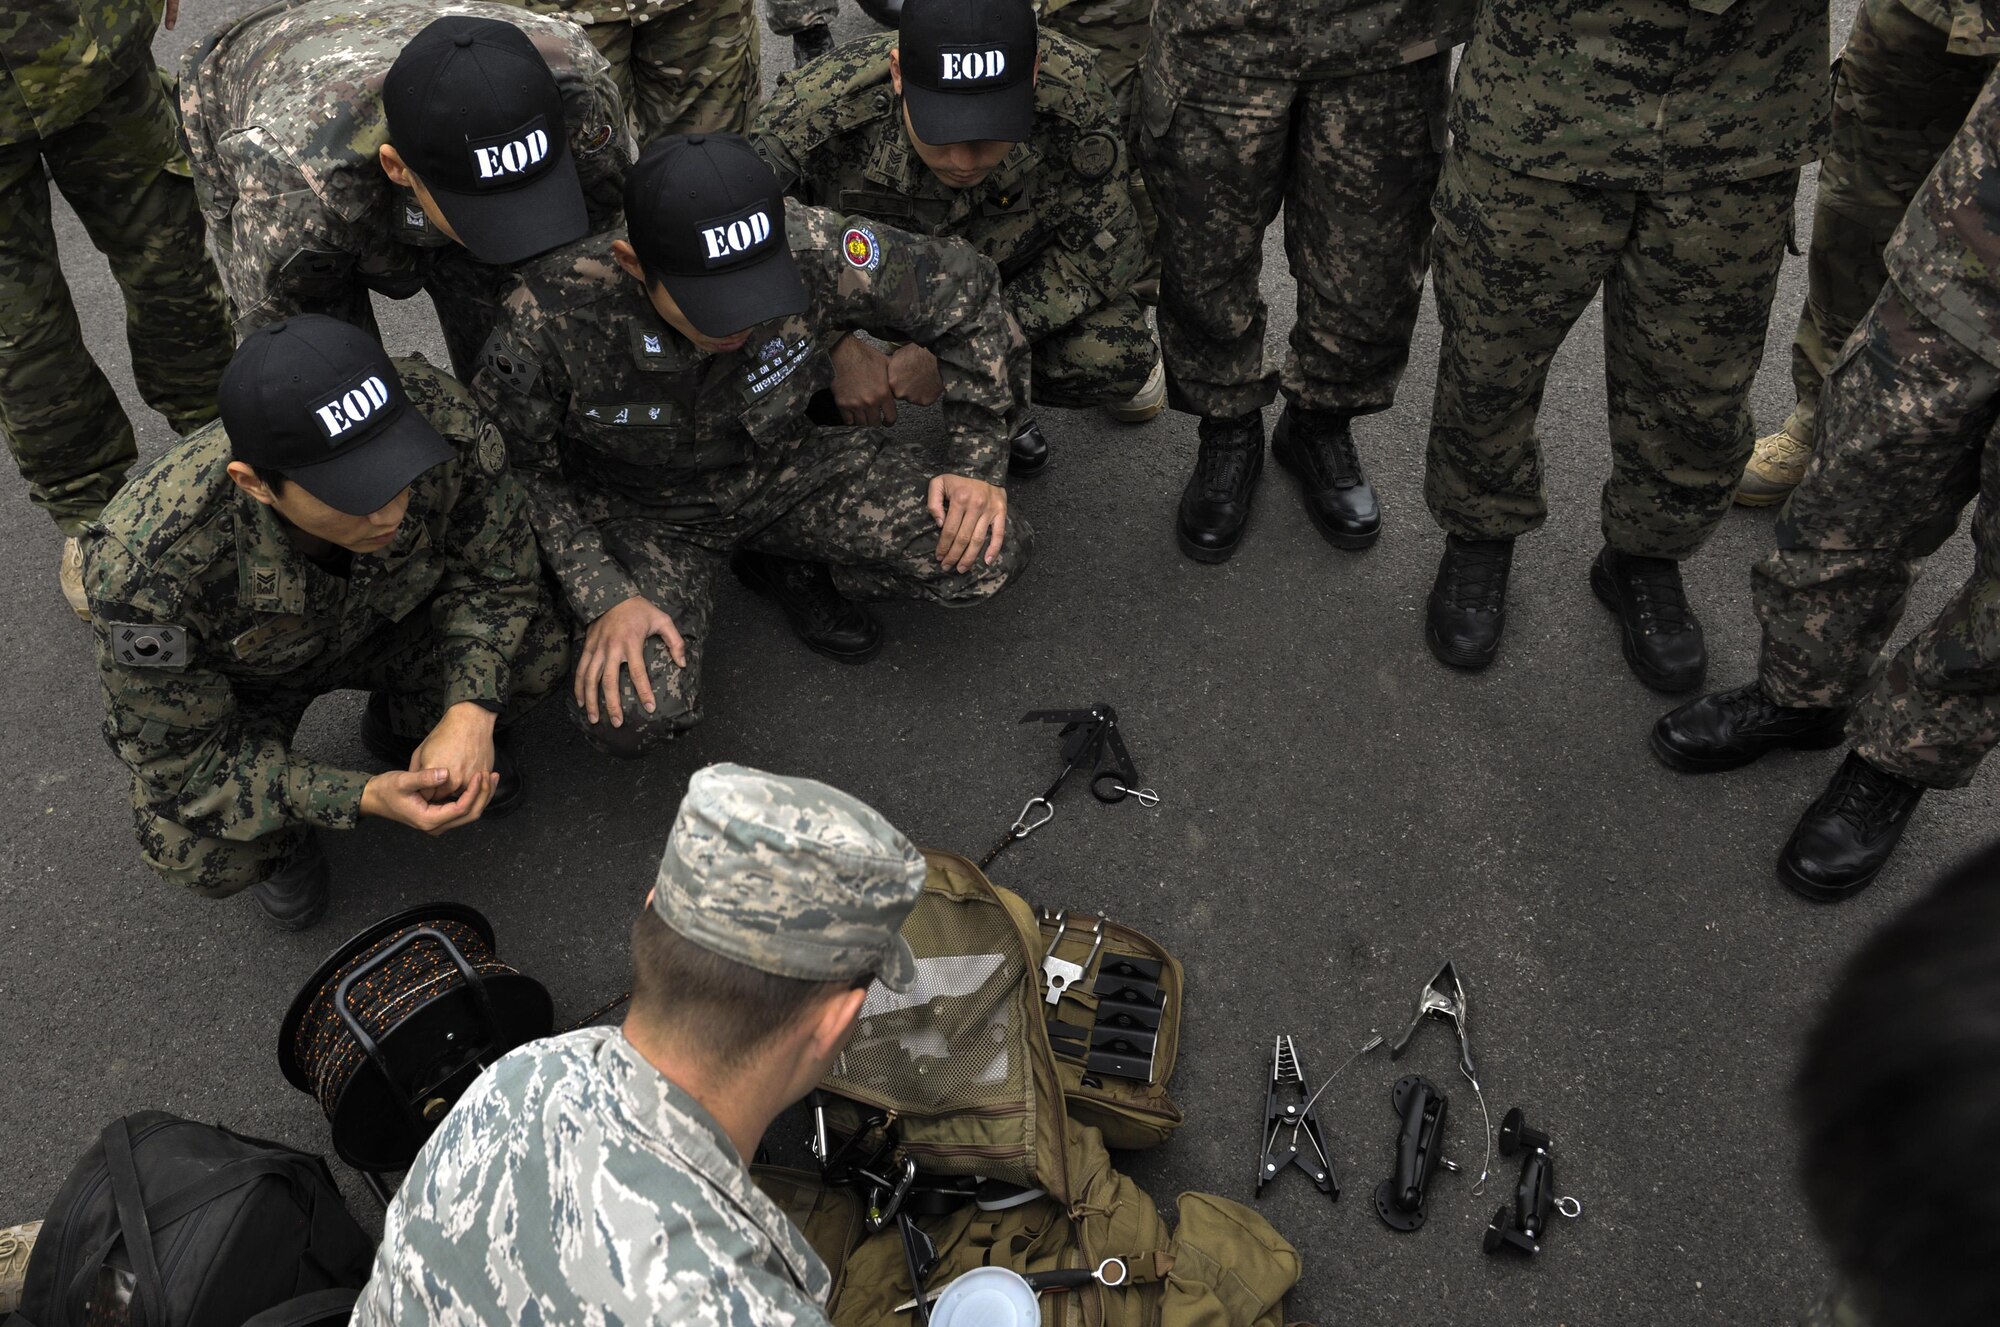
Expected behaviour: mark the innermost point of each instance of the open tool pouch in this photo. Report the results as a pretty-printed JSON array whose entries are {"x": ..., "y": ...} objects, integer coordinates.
[{"x": 1116, "y": 1029}]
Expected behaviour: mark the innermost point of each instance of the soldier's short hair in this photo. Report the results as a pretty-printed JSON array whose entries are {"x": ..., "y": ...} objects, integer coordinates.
[
  {"x": 717, "y": 1008},
  {"x": 1898, "y": 1098}
]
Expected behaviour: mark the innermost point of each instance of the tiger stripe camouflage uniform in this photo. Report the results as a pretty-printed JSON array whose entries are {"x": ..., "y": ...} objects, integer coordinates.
[
  {"x": 80, "y": 97},
  {"x": 1332, "y": 110},
  {"x": 683, "y": 66},
  {"x": 214, "y": 633},
  {"x": 788, "y": 18},
  {"x": 284, "y": 120},
  {"x": 1056, "y": 216},
  {"x": 1908, "y": 441},
  {"x": 1650, "y": 147},
  {"x": 647, "y": 462}
]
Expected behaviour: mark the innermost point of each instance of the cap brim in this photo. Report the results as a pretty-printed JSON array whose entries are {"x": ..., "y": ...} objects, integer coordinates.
[
  {"x": 508, "y": 226},
  {"x": 1006, "y": 114},
  {"x": 724, "y": 303},
  {"x": 899, "y": 966},
  {"x": 368, "y": 478}
]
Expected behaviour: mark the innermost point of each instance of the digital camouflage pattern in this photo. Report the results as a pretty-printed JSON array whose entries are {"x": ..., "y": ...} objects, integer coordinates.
[
  {"x": 574, "y": 1183},
  {"x": 1656, "y": 95},
  {"x": 683, "y": 66},
  {"x": 1056, "y": 215},
  {"x": 284, "y": 118},
  {"x": 1285, "y": 40},
  {"x": 1900, "y": 91},
  {"x": 1688, "y": 278},
  {"x": 119, "y": 166},
  {"x": 1115, "y": 31},
  {"x": 1946, "y": 256},
  {"x": 647, "y": 462},
  {"x": 214, "y": 633},
  {"x": 791, "y": 877},
  {"x": 60, "y": 60},
  {"x": 1971, "y": 27},
  {"x": 790, "y": 17},
  {"x": 1907, "y": 442},
  {"x": 1352, "y": 160}
]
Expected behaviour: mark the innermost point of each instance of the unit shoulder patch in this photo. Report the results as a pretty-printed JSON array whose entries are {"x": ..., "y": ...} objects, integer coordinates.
[
  {"x": 1093, "y": 156},
  {"x": 861, "y": 249},
  {"x": 506, "y": 363}
]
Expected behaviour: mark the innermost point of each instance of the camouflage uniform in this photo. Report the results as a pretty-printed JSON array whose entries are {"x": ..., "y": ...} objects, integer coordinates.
[
  {"x": 1333, "y": 110},
  {"x": 1117, "y": 31},
  {"x": 237, "y": 632},
  {"x": 79, "y": 95},
  {"x": 284, "y": 119},
  {"x": 790, "y": 17},
  {"x": 1910, "y": 411},
  {"x": 1651, "y": 147},
  {"x": 1908, "y": 74},
  {"x": 683, "y": 66},
  {"x": 647, "y": 462},
  {"x": 1056, "y": 216}
]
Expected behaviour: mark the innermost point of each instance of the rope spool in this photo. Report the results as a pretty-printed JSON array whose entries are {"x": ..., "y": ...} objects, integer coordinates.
[{"x": 396, "y": 1023}]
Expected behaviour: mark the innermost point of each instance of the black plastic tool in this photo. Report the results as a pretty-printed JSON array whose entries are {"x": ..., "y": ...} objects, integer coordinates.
[
  {"x": 1534, "y": 1195},
  {"x": 1399, "y": 1200},
  {"x": 1292, "y": 1136}
]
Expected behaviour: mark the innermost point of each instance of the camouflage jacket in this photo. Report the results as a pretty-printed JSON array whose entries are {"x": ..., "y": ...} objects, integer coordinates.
[
  {"x": 575, "y": 1183},
  {"x": 203, "y": 605},
  {"x": 1307, "y": 38},
  {"x": 607, "y": 409},
  {"x": 1056, "y": 216},
  {"x": 1946, "y": 255},
  {"x": 1971, "y": 27},
  {"x": 59, "y": 59},
  {"x": 284, "y": 117},
  {"x": 586, "y": 12},
  {"x": 1660, "y": 95}
]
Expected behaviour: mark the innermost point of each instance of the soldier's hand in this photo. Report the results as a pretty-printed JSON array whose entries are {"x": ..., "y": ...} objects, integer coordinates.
[
  {"x": 913, "y": 376},
  {"x": 618, "y": 640},
  {"x": 861, "y": 383},
  {"x": 970, "y": 514},
  {"x": 173, "y": 14},
  {"x": 404, "y": 796},
  {"x": 461, "y": 744}
]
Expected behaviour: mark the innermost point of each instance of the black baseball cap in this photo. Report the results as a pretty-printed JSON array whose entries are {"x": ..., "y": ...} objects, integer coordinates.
[
  {"x": 319, "y": 400},
  {"x": 707, "y": 219},
  {"x": 968, "y": 69},
  {"x": 474, "y": 110}
]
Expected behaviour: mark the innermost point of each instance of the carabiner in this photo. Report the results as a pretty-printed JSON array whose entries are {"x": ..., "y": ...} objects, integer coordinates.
[{"x": 1023, "y": 826}]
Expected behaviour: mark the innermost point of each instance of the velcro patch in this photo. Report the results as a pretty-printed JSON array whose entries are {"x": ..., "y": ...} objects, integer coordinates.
[
  {"x": 507, "y": 364},
  {"x": 1094, "y": 156},
  {"x": 147, "y": 645},
  {"x": 631, "y": 414},
  {"x": 776, "y": 362}
]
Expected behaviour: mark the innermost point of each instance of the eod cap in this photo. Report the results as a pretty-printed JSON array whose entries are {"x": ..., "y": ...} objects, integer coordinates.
[
  {"x": 319, "y": 400},
  {"x": 968, "y": 69},
  {"x": 707, "y": 219},
  {"x": 474, "y": 110}
]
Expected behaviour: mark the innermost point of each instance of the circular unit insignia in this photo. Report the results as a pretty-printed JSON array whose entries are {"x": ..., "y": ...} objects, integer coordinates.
[{"x": 862, "y": 248}]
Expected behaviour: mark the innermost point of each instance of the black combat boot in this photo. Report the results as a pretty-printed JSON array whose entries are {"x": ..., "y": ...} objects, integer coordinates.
[
  {"x": 1468, "y": 604},
  {"x": 1845, "y": 837},
  {"x": 380, "y": 739},
  {"x": 1215, "y": 505},
  {"x": 1027, "y": 450},
  {"x": 809, "y": 44},
  {"x": 826, "y": 622},
  {"x": 1662, "y": 637},
  {"x": 1316, "y": 448},
  {"x": 1727, "y": 729},
  {"x": 295, "y": 896}
]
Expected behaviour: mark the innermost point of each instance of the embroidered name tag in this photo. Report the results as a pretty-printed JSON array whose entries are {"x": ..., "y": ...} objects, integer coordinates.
[{"x": 775, "y": 363}]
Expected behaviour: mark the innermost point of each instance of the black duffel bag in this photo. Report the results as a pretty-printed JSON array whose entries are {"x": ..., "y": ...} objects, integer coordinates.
[{"x": 169, "y": 1223}]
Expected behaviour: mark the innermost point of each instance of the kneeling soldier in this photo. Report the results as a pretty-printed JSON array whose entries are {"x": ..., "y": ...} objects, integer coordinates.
[
  {"x": 653, "y": 392},
  {"x": 963, "y": 124},
  {"x": 347, "y": 523}
]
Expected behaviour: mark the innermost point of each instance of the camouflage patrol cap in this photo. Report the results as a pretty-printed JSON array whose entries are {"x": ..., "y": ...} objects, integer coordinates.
[{"x": 791, "y": 877}]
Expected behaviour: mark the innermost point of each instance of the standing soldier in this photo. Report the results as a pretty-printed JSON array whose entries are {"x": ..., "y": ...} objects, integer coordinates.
[
  {"x": 1908, "y": 74},
  {"x": 349, "y": 522},
  {"x": 809, "y": 23},
  {"x": 1651, "y": 148},
  {"x": 683, "y": 66},
  {"x": 1021, "y": 155},
  {"x": 349, "y": 147},
  {"x": 81, "y": 100},
  {"x": 1334, "y": 111},
  {"x": 1911, "y": 407},
  {"x": 653, "y": 391}
]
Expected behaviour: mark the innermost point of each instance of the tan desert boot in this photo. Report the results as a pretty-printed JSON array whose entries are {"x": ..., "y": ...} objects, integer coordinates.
[
  {"x": 1776, "y": 467},
  {"x": 70, "y": 573},
  {"x": 16, "y": 1243}
]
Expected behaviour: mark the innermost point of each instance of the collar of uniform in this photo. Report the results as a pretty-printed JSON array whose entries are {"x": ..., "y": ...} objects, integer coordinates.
[
  {"x": 656, "y": 347},
  {"x": 271, "y": 572},
  {"x": 675, "y": 1122}
]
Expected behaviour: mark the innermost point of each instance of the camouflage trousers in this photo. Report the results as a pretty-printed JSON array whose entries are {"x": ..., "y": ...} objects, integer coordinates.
[
  {"x": 1908, "y": 442},
  {"x": 1352, "y": 162},
  {"x": 400, "y": 662},
  {"x": 1118, "y": 31},
  {"x": 694, "y": 70},
  {"x": 789, "y": 17},
  {"x": 121, "y": 169},
  {"x": 1898, "y": 97},
  {"x": 857, "y": 506},
  {"x": 1102, "y": 358},
  {"x": 1688, "y": 279}
]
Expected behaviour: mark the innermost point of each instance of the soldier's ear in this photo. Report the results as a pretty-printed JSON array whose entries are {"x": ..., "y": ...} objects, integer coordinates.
[
  {"x": 834, "y": 1019},
  {"x": 896, "y": 70},
  {"x": 627, "y": 257},
  {"x": 393, "y": 166},
  {"x": 247, "y": 479}
]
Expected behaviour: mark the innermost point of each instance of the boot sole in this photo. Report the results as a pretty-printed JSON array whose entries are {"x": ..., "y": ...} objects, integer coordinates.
[
  {"x": 758, "y": 586},
  {"x": 1207, "y": 554},
  {"x": 1760, "y": 499},
  {"x": 1342, "y": 539},
  {"x": 1818, "y": 893},
  {"x": 1674, "y": 758},
  {"x": 1666, "y": 684}
]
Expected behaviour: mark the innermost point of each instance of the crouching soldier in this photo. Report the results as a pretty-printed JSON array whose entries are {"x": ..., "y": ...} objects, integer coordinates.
[
  {"x": 348, "y": 522},
  {"x": 653, "y": 391}
]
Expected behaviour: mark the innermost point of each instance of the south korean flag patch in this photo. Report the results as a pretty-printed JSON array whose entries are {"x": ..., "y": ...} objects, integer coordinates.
[{"x": 861, "y": 249}]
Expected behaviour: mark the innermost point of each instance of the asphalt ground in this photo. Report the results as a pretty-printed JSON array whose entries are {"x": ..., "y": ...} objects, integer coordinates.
[{"x": 1339, "y": 814}]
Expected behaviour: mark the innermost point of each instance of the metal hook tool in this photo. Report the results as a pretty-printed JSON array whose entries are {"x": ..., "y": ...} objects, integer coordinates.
[{"x": 1444, "y": 997}]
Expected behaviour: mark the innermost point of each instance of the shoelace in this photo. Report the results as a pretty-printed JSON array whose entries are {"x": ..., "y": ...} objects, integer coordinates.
[
  {"x": 1224, "y": 468},
  {"x": 1865, "y": 798},
  {"x": 814, "y": 595},
  {"x": 1478, "y": 578},
  {"x": 1338, "y": 459},
  {"x": 1658, "y": 598}
]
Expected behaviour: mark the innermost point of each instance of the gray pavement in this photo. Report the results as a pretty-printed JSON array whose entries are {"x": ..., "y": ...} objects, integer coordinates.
[{"x": 1339, "y": 814}]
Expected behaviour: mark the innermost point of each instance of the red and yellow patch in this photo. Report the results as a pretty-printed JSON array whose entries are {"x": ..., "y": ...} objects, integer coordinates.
[{"x": 862, "y": 248}]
